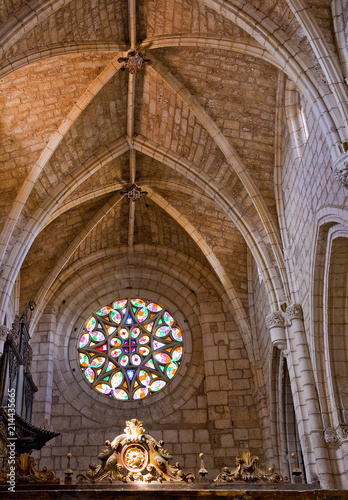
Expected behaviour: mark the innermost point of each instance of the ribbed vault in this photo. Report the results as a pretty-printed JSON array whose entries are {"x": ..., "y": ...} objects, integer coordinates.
[{"x": 196, "y": 128}]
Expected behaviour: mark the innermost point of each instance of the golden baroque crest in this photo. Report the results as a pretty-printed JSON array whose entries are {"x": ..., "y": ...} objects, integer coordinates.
[
  {"x": 26, "y": 472},
  {"x": 247, "y": 469},
  {"x": 134, "y": 457}
]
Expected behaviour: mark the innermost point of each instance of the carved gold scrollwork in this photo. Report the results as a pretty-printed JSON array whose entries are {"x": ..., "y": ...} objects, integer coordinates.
[
  {"x": 27, "y": 472},
  {"x": 134, "y": 457},
  {"x": 248, "y": 470}
]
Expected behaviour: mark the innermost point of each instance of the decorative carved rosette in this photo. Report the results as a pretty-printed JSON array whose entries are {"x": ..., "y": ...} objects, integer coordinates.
[
  {"x": 134, "y": 192},
  {"x": 248, "y": 470},
  {"x": 134, "y": 457},
  {"x": 134, "y": 61},
  {"x": 294, "y": 311}
]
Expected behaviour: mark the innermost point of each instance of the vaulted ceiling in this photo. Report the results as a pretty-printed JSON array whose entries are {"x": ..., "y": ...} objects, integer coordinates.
[{"x": 195, "y": 128}]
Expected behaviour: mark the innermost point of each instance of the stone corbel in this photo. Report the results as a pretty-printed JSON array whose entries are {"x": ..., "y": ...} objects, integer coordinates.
[
  {"x": 4, "y": 331},
  {"x": 340, "y": 167},
  {"x": 276, "y": 324}
]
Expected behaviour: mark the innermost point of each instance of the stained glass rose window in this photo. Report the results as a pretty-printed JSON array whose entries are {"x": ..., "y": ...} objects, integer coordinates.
[{"x": 130, "y": 349}]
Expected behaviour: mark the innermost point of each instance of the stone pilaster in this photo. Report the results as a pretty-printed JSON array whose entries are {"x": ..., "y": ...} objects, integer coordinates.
[{"x": 308, "y": 413}]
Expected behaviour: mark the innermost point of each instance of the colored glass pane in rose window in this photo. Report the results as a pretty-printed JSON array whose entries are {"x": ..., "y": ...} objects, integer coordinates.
[{"x": 136, "y": 357}]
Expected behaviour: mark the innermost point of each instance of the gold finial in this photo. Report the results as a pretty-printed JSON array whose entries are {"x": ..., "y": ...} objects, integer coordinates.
[
  {"x": 202, "y": 471},
  {"x": 68, "y": 471}
]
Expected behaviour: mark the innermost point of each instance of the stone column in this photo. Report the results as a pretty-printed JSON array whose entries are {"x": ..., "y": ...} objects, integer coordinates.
[
  {"x": 276, "y": 324},
  {"x": 305, "y": 396}
]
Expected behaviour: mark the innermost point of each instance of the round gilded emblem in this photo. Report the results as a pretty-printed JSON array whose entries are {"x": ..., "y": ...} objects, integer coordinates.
[{"x": 135, "y": 458}]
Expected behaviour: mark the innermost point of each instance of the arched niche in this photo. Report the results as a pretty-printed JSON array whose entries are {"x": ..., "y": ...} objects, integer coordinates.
[
  {"x": 336, "y": 302},
  {"x": 286, "y": 440}
]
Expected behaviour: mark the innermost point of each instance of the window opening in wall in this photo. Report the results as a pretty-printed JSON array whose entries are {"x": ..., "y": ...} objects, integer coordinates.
[
  {"x": 296, "y": 118},
  {"x": 293, "y": 450},
  {"x": 337, "y": 317},
  {"x": 130, "y": 349},
  {"x": 259, "y": 273},
  {"x": 304, "y": 126}
]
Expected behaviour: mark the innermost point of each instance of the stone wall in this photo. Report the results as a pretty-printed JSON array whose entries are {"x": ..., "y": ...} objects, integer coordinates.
[
  {"x": 208, "y": 407},
  {"x": 313, "y": 201}
]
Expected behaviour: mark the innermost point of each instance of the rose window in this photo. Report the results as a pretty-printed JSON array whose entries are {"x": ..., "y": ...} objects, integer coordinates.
[{"x": 130, "y": 349}]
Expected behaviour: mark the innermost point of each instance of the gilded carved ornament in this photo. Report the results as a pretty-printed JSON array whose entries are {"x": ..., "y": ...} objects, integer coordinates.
[
  {"x": 247, "y": 469},
  {"x": 27, "y": 473},
  {"x": 134, "y": 192},
  {"x": 134, "y": 457},
  {"x": 134, "y": 61}
]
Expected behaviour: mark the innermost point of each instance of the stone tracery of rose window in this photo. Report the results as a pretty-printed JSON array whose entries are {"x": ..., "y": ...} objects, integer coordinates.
[{"x": 130, "y": 349}]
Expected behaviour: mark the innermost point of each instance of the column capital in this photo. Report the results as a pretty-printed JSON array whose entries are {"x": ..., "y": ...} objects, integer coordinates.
[
  {"x": 275, "y": 319},
  {"x": 294, "y": 311},
  {"x": 276, "y": 324}
]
